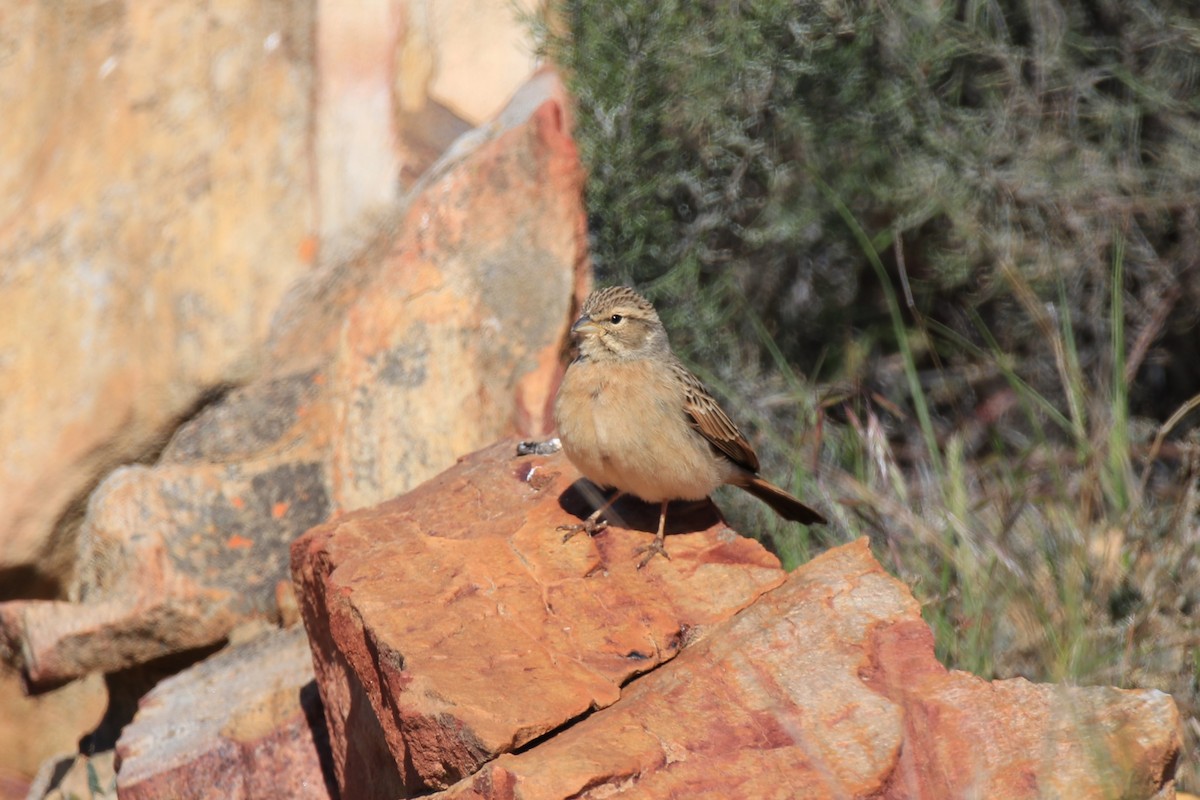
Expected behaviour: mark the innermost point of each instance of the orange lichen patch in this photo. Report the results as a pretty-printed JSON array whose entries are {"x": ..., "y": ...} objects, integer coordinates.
[
  {"x": 309, "y": 246},
  {"x": 237, "y": 503},
  {"x": 278, "y": 510},
  {"x": 237, "y": 542}
]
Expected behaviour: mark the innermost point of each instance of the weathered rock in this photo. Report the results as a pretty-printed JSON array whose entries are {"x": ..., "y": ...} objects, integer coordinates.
[
  {"x": 453, "y": 624},
  {"x": 480, "y": 52},
  {"x": 174, "y": 558},
  {"x": 245, "y": 723},
  {"x": 166, "y": 172},
  {"x": 828, "y": 687},
  {"x": 155, "y": 204},
  {"x": 1013, "y": 738},
  {"x": 440, "y": 337}
]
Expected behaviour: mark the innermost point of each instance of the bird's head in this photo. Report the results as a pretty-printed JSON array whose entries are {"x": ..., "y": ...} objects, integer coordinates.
[{"x": 617, "y": 323}]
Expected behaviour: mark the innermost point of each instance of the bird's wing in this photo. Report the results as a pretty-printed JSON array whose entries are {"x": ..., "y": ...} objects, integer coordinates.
[{"x": 707, "y": 417}]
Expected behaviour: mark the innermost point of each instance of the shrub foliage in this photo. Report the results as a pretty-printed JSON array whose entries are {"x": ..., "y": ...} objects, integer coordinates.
[{"x": 994, "y": 151}]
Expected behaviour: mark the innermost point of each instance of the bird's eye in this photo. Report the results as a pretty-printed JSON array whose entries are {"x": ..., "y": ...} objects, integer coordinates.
[{"x": 615, "y": 318}]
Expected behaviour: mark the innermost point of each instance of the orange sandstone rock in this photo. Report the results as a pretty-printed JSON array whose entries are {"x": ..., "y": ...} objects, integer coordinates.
[
  {"x": 453, "y": 624},
  {"x": 828, "y": 687},
  {"x": 154, "y": 197}
]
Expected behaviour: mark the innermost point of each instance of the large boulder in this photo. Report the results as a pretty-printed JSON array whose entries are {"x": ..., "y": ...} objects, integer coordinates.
[
  {"x": 155, "y": 205},
  {"x": 442, "y": 334},
  {"x": 457, "y": 637},
  {"x": 454, "y": 624}
]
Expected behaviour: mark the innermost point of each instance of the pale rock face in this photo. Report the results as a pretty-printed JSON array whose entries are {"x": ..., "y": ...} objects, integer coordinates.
[
  {"x": 154, "y": 207},
  {"x": 167, "y": 171},
  {"x": 400, "y": 80},
  {"x": 483, "y": 54}
]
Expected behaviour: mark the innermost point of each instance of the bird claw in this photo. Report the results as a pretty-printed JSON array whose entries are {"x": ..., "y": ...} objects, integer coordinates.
[
  {"x": 535, "y": 448},
  {"x": 651, "y": 550},
  {"x": 589, "y": 526}
]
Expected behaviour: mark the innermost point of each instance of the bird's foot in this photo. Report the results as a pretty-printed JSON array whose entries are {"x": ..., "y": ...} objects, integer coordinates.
[
  {"x": 589, "y": 526},
  {"x": 651, "y": 550},
  {"x": 535, "y": 448}
]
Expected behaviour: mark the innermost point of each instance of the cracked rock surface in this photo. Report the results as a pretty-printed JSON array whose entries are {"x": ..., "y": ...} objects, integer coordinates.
[
  {"x": 828, "y": 687},
  {"x": 454, "y": 624},
  {"x": 462, "y": 646}
]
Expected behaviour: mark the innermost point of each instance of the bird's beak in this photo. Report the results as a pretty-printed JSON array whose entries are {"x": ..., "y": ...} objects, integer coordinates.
[{"x": 585, "y": 327}]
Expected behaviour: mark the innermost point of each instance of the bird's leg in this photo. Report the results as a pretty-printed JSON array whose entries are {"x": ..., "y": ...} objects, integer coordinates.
[
  {"x": 593, "y": 524},
  {"x": 656, "y": 547}
]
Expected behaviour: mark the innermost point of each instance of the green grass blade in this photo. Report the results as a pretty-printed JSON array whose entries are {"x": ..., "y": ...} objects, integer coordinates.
[
  {"x": 898, "y": 328},
  {"x": 1118, "y": 440}
]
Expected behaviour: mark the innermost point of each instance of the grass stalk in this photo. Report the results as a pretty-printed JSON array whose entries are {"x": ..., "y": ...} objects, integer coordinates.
[
  {"x": 898, "y": 327},
  {"x": 1118, "y": 438}
]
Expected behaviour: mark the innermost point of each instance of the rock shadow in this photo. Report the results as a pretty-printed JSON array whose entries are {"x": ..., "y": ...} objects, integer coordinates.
[{"x": 683, "y": 516}]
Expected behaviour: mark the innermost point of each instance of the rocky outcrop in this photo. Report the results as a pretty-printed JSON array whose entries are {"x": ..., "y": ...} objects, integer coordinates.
[
  {"x": 460, "y": 645},
  {"x": 454, "y": 624},
  {"x": 828, "y": 687},
  {"x": 442, "y": 335},
  {"x": 167, "y": 171},
  {"x": 456, "y": 637},
  {"x": 245, "y": 723}
]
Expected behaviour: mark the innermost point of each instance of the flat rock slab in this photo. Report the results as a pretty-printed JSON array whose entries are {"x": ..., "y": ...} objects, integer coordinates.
[
  {"x": 245, "y": 723},
  {"x": 828, "y": 687},
  {"x": 454, "y": 624}
]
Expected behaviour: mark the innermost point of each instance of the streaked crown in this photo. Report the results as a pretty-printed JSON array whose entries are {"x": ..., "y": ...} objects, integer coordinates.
[{"x": 604, "y": 302}]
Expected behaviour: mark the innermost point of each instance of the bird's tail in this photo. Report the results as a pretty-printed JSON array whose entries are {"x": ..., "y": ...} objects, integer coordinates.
[{"x": 780, "y": 501}]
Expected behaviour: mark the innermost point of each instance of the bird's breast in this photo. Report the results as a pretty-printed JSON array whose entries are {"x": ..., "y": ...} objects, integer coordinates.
[{"x": 622, "y": 425}]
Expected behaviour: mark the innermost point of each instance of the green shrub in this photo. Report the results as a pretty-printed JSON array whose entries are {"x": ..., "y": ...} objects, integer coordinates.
[{"x": 982, "y": 144}]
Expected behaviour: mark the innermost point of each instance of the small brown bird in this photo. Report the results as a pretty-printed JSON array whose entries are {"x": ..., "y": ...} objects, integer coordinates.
[{"x": 632, "y": 418}]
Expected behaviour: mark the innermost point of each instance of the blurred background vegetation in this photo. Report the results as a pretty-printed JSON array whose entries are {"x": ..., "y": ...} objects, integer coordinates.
[{"x": 943, "y": 261}]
